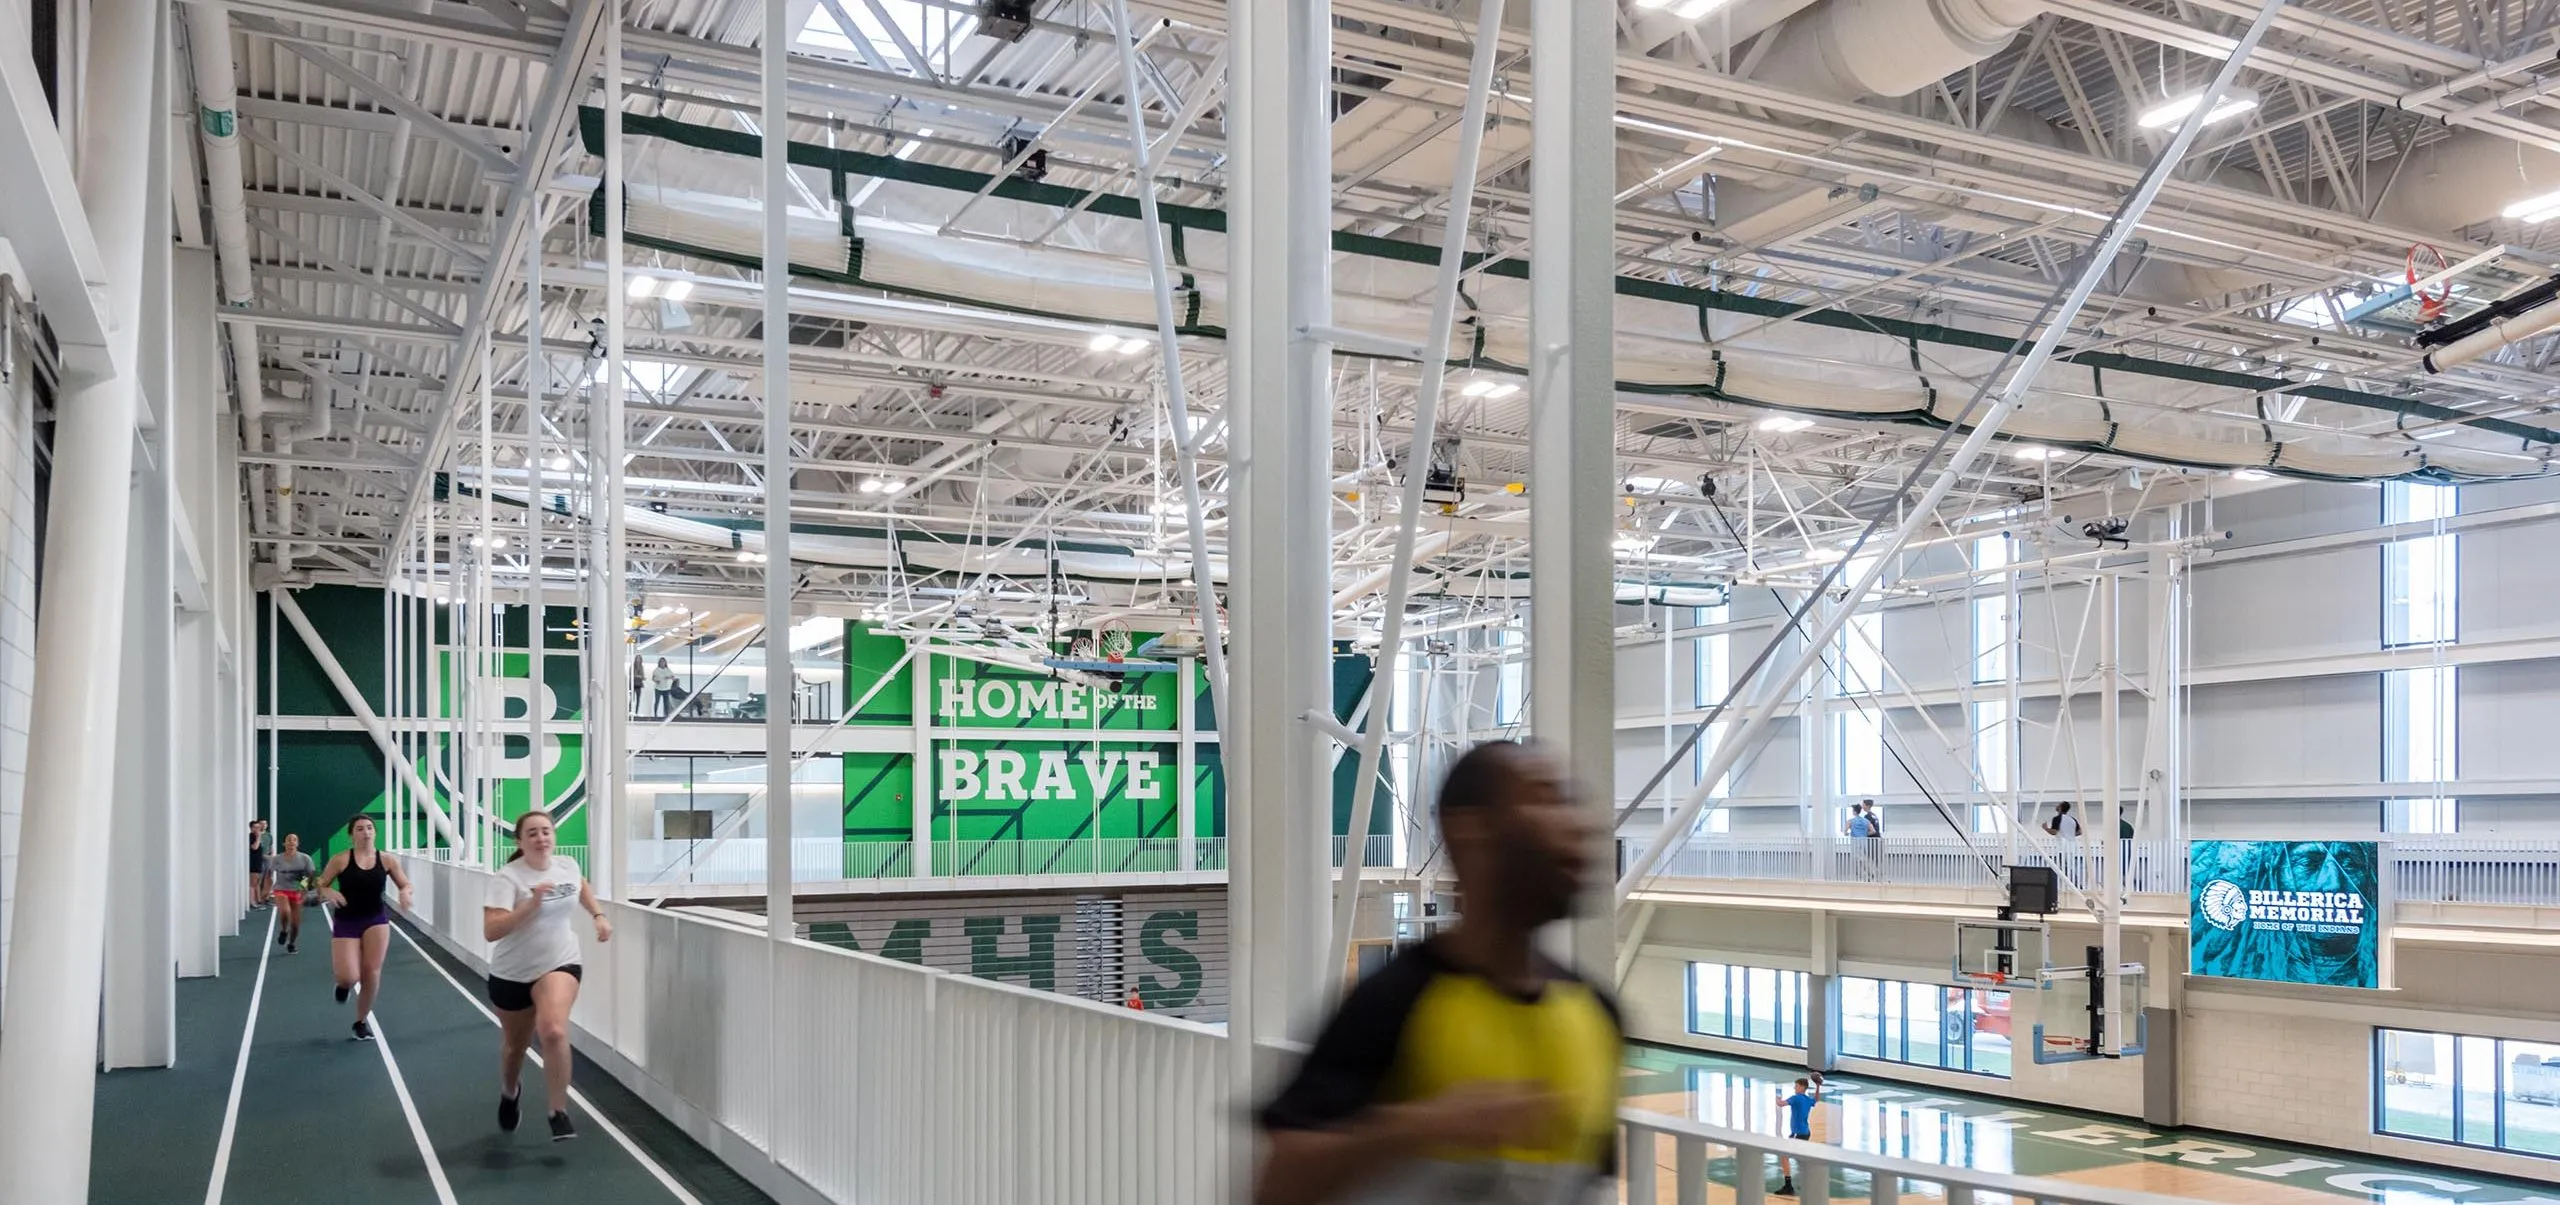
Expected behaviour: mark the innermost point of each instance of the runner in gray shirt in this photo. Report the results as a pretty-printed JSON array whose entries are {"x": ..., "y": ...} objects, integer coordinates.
[{"x": 288, "y": 869}]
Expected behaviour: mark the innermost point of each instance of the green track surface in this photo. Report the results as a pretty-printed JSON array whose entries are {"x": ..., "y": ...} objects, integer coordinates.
[{"x": 320, "y": 1123}]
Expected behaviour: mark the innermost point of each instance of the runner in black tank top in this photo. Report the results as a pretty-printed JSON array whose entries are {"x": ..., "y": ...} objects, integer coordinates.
[{"x": 359, "y": 930}]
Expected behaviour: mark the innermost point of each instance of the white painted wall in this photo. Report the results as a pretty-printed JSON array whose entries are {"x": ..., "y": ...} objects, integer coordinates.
[
  {"x": 17, "y": 627},
  {"x": 2283, "y": 716}
]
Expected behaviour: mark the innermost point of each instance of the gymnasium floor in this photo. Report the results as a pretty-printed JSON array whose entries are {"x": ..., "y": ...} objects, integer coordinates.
[
  {"x": 323, "y": 1118},
  {"x": 2010, "y": 1136}
]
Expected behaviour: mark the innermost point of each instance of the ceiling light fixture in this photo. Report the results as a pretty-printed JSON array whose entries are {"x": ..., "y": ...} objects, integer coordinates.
[
  {"x": 870, "y": 485},
  {"x": 676, "y": 290},
  {"x": 642, "y": 285},
  {"x": 1785, "y": 424},
  {"x": 557, "y": 464},
  {"x": 1132, "y": 346},
  {"x": 1686, "y": 10},
  {"x": 2169, "y": 113},
  {"x": 1476, "y": 389},
  {"x": 1104, "y": 341},
  {"x": 2533, "y": 210},
  {"x": 2251, "y": 475},
  {"x": 2032, "y": 452}
]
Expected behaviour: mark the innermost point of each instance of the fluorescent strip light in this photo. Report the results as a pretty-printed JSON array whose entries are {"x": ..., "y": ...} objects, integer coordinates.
[
  {"x": 2533, "y": 209},
  {"x": 2169, "y": 113}
]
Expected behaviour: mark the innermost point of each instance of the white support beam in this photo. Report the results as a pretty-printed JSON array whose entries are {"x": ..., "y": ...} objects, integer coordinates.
[
  {"x": 49, "y": 1058},
  {"x": 778, "y": 575},
  {"x": 1573, "y": 177},
  {"x": 138, "y": 1022},
  {"x": 1280, "y": 781}
]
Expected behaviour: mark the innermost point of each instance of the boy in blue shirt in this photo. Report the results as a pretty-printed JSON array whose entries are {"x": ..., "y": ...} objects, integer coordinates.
[{"x": 1799, "y": 1109}]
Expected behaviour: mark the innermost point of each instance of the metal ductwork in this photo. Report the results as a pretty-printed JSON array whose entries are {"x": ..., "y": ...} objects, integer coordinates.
[
  {"x": 218, "y": 125},
  {"x": 1853, "y": 48}
]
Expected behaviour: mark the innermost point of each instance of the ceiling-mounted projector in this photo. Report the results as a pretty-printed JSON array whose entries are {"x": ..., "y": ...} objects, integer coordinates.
[{"x": 1005, "y": 20}]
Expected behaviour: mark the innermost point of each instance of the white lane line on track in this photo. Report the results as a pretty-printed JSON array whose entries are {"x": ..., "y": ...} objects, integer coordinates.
[
  {"x": 240, "y": 1072},
  {"x": 399, "y": 1085},
  {"x": 417, "y": 1128},
  {"x": 575, "y": 1097}
]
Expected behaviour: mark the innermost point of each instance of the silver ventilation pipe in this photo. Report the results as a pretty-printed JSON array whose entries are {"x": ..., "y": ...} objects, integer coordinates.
[{"x": 218, "y": 125}]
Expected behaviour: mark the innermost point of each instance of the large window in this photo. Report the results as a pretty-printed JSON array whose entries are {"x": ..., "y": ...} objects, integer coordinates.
[
  {"x": 2421, "y": 816},
  {"x": 2420, "y": 575},
  {"x": 2418, "y": 724},
  {"x": 1756, "y": 1004},
  {"x": 1995, "y": 739},
  {"x": 1925, "y": 1024},
  {"x": 1857, "y": 728},
  {"x": 2499, "y": 1093},
  {"x": 1713, "y": 651},
  {"x": 1511, "y": 676}
]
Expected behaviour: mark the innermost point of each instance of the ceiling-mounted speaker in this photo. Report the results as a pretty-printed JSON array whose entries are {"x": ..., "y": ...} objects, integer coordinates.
[{"x": 1005, "y": 20}]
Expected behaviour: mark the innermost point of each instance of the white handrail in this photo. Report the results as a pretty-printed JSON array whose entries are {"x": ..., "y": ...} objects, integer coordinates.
[{"x": 1690, "y": 1140}]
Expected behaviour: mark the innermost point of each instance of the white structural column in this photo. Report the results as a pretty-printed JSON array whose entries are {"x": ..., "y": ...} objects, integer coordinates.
[
  {"x": 1279, "y": 768},
  {"x": 537, "y": 381},
  {"x": 207, "y": 493},
  {"x": 778, "y": 692},
  {"x": 1573, "y": 178},
  {"x": 2110, "y": 588},
  {"x": 48, "y": 1060},
  {"x": 140, "y": 1007},
  {"x": 606, "y": 623}
]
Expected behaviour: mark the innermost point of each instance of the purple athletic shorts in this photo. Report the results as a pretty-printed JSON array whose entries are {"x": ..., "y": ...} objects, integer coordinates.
[{"x": 343, "y": 925}]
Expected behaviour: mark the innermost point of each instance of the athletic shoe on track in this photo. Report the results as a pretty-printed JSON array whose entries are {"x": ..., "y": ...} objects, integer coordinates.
[
  {"x": 342, "y": 993},
  {"x": 561, "y": 1130},
  {"x": 364, "y": 1031},
  {"x": 293, "y": 947},
  {"x": 508, "y": 1110}
]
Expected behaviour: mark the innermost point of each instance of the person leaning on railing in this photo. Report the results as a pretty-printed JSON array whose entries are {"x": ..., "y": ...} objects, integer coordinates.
[{"x": 1472, "y": 1067}]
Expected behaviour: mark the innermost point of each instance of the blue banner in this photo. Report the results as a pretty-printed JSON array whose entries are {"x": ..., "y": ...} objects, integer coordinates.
[{"x": 2286, "y": 911}]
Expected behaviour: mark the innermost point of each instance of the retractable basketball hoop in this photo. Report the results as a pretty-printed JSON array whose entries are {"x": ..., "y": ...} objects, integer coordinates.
[{"x": 2071, "y": 1012}]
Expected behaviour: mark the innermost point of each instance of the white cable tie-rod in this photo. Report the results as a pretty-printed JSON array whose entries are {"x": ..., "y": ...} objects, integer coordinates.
[
  {"x": 2120, "y": 229},
  {"x": 1177, "y": 399},
  {"x": 1417, "y": 474}
]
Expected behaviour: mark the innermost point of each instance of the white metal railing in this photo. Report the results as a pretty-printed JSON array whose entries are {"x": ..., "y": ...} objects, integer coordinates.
[
  {"x": 2477, "y": 870},
  {"x": 2446, "y": 869},
  {"x": 1659, "y": 1147},
  {"x": 868, "y": 1079},
  {"x": 740, "y": 860}
]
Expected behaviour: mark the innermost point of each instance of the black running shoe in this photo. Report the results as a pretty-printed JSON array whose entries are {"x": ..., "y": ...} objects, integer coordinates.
[
  {"x": 293, "y": 947},
  {"x": 508, "y": 1110},
  {"x": 342, "y": 993},
  {"x": 364, "y": 1031},
  {"x": 280, "y": 935},
  {"x": 561, "y": 1130}
]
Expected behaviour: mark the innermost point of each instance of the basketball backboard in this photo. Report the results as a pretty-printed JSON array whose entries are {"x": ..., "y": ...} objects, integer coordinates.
[{"x": 1994, "y": 952}]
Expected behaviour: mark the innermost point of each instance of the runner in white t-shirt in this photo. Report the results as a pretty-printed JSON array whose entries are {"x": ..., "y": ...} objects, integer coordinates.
[{"x": 533, "y": 963}]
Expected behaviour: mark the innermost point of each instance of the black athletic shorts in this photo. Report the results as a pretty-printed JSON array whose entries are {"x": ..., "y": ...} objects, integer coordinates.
[{"x": 512, "y": 997}]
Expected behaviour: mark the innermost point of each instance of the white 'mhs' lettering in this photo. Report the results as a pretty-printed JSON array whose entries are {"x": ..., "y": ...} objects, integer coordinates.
[
  {"x": 999, "y": 774},
  {"x": 1005, "y": 698}
]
